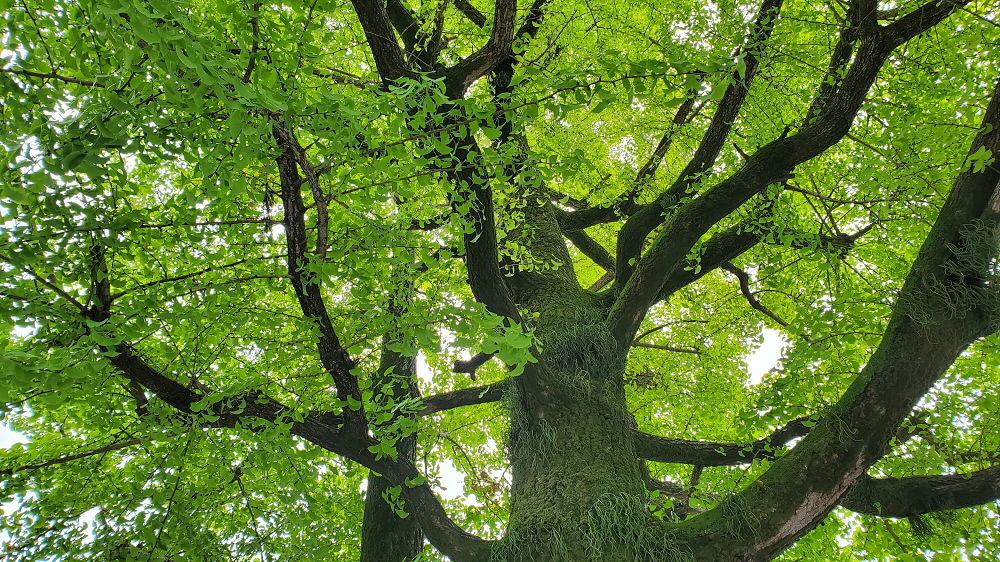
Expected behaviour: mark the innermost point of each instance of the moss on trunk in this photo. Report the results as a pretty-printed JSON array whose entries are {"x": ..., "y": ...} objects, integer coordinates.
[{"x": 578, "y": 491}]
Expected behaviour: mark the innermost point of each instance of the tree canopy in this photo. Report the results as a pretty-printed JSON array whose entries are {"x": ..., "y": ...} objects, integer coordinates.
[{"x": 273, "y": 274}]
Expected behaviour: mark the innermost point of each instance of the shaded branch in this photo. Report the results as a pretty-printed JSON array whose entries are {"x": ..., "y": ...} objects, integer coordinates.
[
  {"x": 70, "y": 458},
  {"x": 916, "y": 495},
  {"x": 53, "y": 76},
  {"x": 839, "y": 59},
  {"x": 320, "y": 428},
  {"x": 532, "y": 22},
  {"x": 473, "y": 200},
  {"x": 389, "y": 58},
  {"x": 332, "y": 354},
  {"x": 471, "y": 12},
  {"x": 633, "y": 234},
  {"x": 591, "y": 248},
  {"x": 497, "y": 49},
  {"x": 724, "y": 246},
  {"x": 744, "y": 281},
  {"x": 920, "y": 20},
  {"x": 470, "y": 365},
  {"x": 772, "y": 163},
  {"x": 464, "y": 397},
  {"x": 406, "y": 25},
  {"x": 708, "y": 453},
  {"x": 626, "y": 206},
  {"x": 666, "y": 347},
  {"x": 940, "y": 311},
  {"x": 255, "y": 46}
]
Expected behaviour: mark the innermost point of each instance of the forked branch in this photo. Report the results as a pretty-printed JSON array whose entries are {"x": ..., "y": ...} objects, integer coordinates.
[{"x": 942, "y": 308}]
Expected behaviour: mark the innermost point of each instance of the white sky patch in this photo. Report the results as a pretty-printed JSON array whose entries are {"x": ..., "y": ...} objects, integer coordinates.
[
  {"x": 766, "y": 356},
  {"x": 424, "y": 372},
  {"x": 452, "y": 481},
  {"x": 9, "y": 437}
]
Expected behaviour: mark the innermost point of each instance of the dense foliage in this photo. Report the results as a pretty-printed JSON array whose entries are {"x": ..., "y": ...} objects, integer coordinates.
[{"x": 519, "y": 254}]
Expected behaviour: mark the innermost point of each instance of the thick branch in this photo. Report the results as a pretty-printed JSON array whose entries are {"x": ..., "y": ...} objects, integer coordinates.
[
  {"x": 389, "y": 58},
  {"x": 473, "y": 199},
  {"x": 770, "y": 164},
  {"x": 470, "y": 365},
  {"x": 404, "y": 22},
  {"x": 464, "y": 397},
  {"x": 332, "y": 354},
  {"x": 633, "y": 234},
  {"x": 386, "y": 537},
  {"x": 920, "y": 20},
  {"x": 471, "y": 12},
  {"x": 496, "y": 50},
  {"x": 722, "y": 247},
  {"x": 943, "y": 307},
  {"x": 707, "y": 453},
  {"x": 839, "y": 59},
  {"x": 591, "y": 248},
  {"x": 916, "y": 495},
  {"x": 323, "y": 429}
]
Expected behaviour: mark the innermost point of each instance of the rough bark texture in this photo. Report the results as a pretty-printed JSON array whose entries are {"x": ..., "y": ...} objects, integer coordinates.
[
  {"x": 576, "y": 486},
  {"x": 386, "y": 537}
]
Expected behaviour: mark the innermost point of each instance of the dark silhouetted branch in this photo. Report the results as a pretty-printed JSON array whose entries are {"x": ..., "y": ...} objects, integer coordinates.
[{"x": 708, "y": 453}]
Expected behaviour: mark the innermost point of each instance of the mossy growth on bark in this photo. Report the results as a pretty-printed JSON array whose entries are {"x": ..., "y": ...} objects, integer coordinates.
[{"x": 616, "y": 527}]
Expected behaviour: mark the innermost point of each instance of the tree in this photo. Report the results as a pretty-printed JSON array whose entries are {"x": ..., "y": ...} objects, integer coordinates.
[{"x": 256, "y": 253}]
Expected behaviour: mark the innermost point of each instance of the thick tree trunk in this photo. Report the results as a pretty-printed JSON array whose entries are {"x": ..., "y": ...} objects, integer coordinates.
[
  {"x": 386, "y": 537},
  {"x": 578, "y": 489}
]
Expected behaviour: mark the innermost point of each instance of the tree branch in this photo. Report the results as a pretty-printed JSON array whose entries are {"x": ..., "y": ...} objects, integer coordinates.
[
  {"x": 724, "y": 246},
  {"x": 943, "y": 307},
  {"x": 916, "y": 495},
  {"x": 464, "y": 397},
  {"x": 471, "y": 12},
  {"x": 389, "y": 58},
  {"x": 744, "y": 280},
  {"x": 320, "y": 428},
  {"x": 707, "y": 453},
  {"x": 406, "y": 25},
  {"x": 69, "y": 458},
  {"x": 332, "y": 354},
  {"x": 53, "y": 76},
  {"x": 470, "y": 365},
  {"x": 626, "y": 205},
  {"x": 770, "y": 164},
  {"x": 482, "y": 261},
  {"x": 633, "y": 235},
  {"x": 920, "y": 20},
  {"x": 670, "y": 348},
  {"x": 497, "y": 49},
  {"x": 591, "y": 248}
]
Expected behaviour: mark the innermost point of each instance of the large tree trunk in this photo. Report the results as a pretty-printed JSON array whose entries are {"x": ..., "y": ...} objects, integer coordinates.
[
  {"x": 578, "y": 490},
  {"x": 386, "y": 537}
]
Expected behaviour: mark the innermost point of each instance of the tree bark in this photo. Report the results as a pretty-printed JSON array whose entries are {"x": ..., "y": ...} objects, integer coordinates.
[
  {"x": 385, "y": 536},
  {"x": 578, "y": 490}
]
